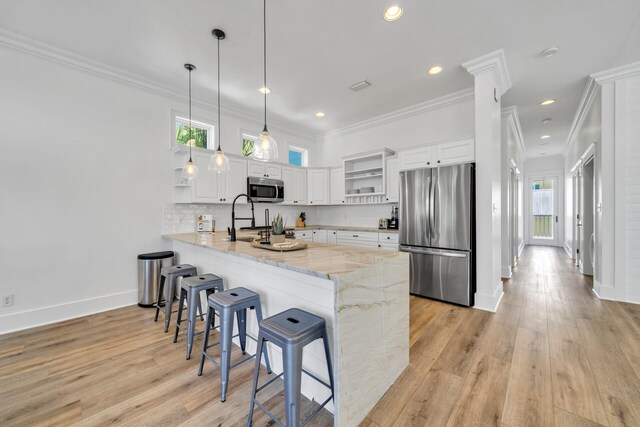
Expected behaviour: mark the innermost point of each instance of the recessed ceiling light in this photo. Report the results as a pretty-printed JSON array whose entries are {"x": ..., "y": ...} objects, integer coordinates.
[
  {"x": 265, "y": 90},
  {"x": 545, "y": 137},
  {"x": 548, "y": 53},
  {"x": 320, "y": 114},
  {"x": 545, "y": 121},
  {"x": 548, "y": 102},
  {"x": 434, "y": 70},
  {"x": 392, "y": 13}
]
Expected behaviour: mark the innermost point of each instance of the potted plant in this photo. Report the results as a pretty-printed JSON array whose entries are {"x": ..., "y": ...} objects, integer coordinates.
[{"x": 277, "y": 230}]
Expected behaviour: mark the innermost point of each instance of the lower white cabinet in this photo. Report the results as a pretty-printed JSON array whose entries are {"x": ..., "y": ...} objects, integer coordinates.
[
  {"x": 332, "y": 237},
  {"x": 320, "y": 236},
  {"x": 358, "y": 238},
  {"x": 306, "y": 235}
]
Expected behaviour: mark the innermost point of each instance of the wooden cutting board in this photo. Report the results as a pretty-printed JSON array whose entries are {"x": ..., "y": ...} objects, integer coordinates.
[{"x": 286, "y": 246}]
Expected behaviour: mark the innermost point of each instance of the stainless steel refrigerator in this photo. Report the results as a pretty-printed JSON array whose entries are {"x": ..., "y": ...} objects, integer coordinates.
[{"x": 437, "y": 229}]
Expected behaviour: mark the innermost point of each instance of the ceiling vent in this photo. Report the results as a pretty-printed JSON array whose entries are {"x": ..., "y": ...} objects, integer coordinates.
[{"x": 360, "y": 86}]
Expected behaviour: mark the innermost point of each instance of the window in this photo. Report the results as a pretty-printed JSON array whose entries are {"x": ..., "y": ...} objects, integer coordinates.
[
  {"x": 201, "y": 133},
  {"x": 247, "y": 144},
  {"x": 298, "y": 156}
]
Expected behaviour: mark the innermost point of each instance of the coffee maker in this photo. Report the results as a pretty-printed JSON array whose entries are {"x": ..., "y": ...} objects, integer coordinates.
[{"x": 393, "y": 221}]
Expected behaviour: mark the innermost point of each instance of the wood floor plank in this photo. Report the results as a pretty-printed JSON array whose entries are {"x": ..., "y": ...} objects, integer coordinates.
[
  {"x": 482, "y": 397},
  {"x": 563, "y": 418},
  {"x": 433, "y": 401},
  {"x": 622, "y": 413},
  {"x": 574, "y": 387},
  {"x": 529, "y": 394}
]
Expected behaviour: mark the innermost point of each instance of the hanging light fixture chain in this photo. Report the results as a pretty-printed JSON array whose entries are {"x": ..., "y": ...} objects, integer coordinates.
[
  {"x": 264, "y": 57},
  {"x": 190, "y": 126},
  {"x": 219, "y": 132}
]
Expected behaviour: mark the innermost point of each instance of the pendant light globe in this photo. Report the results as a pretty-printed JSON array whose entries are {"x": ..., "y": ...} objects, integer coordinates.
[
  {"x": 190, "y": 170},
  {"x": 265, "y": 149},
  {"x": 218, "y": 162}
]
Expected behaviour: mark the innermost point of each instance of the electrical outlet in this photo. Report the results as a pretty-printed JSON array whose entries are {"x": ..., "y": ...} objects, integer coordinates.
[{"x": 7, "y": 300}]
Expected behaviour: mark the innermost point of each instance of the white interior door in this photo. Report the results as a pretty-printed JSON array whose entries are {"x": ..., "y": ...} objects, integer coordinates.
[
  {"x": 577, "y": 206},
  {"x": 543, "y": 211}
]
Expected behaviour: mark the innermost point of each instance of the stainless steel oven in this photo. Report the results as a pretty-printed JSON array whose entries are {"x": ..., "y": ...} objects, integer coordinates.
[{"x": 265, "y": 189}]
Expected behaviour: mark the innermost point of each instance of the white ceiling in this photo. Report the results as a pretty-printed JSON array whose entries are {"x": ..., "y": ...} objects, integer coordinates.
[{"x": 318, "y": 49}]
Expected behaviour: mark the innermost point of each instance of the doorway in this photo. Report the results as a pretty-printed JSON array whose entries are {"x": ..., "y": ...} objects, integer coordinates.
[
  {"x": 543, "y": 211},
  {"x": 514, "y": 202}
]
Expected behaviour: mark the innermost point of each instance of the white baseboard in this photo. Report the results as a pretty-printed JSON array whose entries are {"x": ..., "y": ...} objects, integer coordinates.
[
  {"x": 71, "y": 310},
  {"x": 489, "y": 302},
  {"x": 521, "y": 248},
  {"x": 568, "y": 250},
  {"x": 506, "y": 272}
]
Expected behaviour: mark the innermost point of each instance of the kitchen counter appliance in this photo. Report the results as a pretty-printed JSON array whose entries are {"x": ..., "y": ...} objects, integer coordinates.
[
  {"x": 437, "y": 229},
  {"x": 265, "y": 189}
]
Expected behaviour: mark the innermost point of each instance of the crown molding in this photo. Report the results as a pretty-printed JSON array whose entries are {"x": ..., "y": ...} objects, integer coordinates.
[
  {"x": 588, "y": 95},
  {"x": 25, "y": 45},
  {"x": 496, "y": 63},
  {"x": 440, "y": 102},
  {"x": 618, "y": 73},
  {"x": 513, "y": 120}
]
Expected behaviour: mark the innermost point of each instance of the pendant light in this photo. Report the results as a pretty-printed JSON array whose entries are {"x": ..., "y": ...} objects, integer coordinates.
[
  {"x": 219, "y": 162},
  {"x": 265, "y": 148},
  {"x": 190, "y": 170}
]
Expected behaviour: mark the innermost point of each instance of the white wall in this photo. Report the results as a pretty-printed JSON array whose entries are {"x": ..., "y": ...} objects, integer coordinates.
[
  {"x": 85, "y": 171},
  {"x": 435, "y": 124}
]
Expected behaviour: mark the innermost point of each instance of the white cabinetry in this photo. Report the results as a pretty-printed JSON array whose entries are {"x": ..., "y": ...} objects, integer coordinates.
[
  {"x": 337, "y": 186},
  {"x": 358, "y": 238},
  {"x": 295, "y": 185},
  {"x": 437, "y": 154},
  {"x": 305, "y": 235},
  {"x": 264, "y": 170},
  {"x": 393, "y": 180},
  {"x": 332, "y": 237},
  {"x": 318, "y": 193},
  {"x": 388, "y": 241},
  {"x": 364, "y": 177},
  {"x": 208, "y": 187},
  {"x": 320, "y": 236}
]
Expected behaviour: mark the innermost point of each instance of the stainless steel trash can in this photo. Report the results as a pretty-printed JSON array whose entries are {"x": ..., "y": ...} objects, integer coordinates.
[{"x": 149, "y": 266}]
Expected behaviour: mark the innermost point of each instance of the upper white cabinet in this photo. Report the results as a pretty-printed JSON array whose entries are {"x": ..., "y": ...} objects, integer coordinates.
[
  {"x": 264, "y": 169},
  {"x": 393, "y": 180},
  {"x": 318, "y": 180},
  {"x": 295, "y": 185},
  {"x": 437, "y": 154},
  {"x": 209, "y": 187},
  {"x": 364, "y": 177},
  {"x": 336, "y": 186}
]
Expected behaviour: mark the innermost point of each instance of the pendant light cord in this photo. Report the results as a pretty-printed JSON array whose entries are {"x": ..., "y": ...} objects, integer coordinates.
[
  {"x": 264, "y": 56},
  {"x": 219, "y": 138},
  {"x": 189, "y": 142}
]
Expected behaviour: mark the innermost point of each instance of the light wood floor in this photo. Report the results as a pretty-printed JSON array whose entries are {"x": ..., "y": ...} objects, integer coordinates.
[{"x": 553, "y": 354}]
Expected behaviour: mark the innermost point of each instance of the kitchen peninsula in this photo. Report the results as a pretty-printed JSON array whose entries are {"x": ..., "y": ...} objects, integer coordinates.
[{"x": 362, "y": 293}]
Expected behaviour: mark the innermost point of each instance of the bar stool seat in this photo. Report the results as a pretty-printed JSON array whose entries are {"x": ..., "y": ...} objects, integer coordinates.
[
  {"x": 190, "y": 292},
  {"x": 236, "y": 300},
  {"x": 291, "y": 330},
  {"x": 170, "y": 276}
]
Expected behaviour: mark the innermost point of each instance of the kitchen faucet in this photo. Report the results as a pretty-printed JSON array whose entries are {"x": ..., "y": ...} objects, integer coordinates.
[{"x": 233, "y": 216}]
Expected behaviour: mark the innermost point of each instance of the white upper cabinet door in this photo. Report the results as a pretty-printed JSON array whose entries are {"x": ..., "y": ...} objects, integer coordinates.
[
  {"x": 318, "y": 186},
  {"x": 273, "y": 171},
  {"x": 416, "y": 158},
  {"x": 337, "y": 186},
  {"x": 256, "y": 169},
  {"x": 393, "y": 180},
  {"x": 264, "y": 170},
  {"x": 455, "y": 152},
  {"x": 301, "y": 186},
  {"x": 234, "y": 181},
  {"x": 295, "y": 186},
  {"x": 206, "y": 187}
]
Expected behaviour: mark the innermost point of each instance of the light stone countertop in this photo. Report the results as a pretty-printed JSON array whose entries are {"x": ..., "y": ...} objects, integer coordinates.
[{"x": 319, "y": 259}]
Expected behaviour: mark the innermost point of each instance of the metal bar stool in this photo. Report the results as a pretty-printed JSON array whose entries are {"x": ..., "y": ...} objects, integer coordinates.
[
  {"x": 190, "y": 292},
  {"x": 170, "y": 275},
  {"x": 231, "y": 301},
  {"x": 291, "y": 330}
]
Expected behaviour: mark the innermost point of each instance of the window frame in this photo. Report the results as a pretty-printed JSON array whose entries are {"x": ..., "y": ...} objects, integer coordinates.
[
  {"x": 180, "y": 118},
  {"x": 303, "y": 151}
]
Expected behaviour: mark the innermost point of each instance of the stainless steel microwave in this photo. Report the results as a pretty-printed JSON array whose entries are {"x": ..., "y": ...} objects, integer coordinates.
[{"x": 265, "y": 189}]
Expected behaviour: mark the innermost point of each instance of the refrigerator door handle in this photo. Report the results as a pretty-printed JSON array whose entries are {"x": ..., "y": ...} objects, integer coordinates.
[
  {"x": 432, "y": 204},
  {"x": 426, "y": 251}
]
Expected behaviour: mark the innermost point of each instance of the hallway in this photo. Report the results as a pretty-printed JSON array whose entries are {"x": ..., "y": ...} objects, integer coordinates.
[{"x": 553, "y": 354}]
